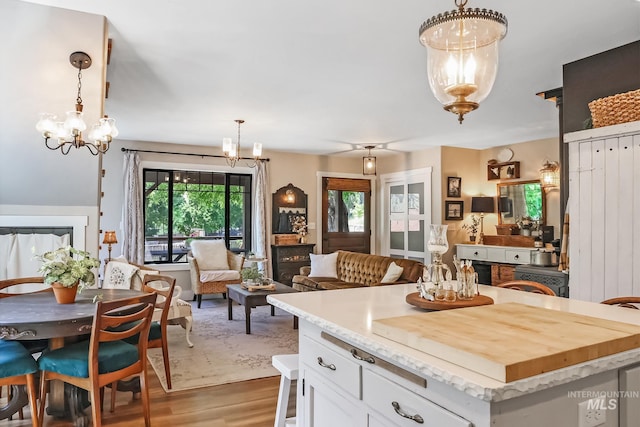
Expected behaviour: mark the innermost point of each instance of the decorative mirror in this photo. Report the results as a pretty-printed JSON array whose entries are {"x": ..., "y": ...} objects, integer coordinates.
[
  {"x": 288, "y": 202},
  {"x": 520, "y": 199}
]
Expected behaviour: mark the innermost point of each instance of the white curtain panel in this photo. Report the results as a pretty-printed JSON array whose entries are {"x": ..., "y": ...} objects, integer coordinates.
[
  {"x": 132, "y": 221},
  {"x": 21, "y": 262},
  {"x": 261, "y": 214},
  {"x": 6, "y": 245}
]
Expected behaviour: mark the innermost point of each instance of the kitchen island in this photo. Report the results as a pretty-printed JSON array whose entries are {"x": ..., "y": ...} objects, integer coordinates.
[{"x": 350, "y": 376}]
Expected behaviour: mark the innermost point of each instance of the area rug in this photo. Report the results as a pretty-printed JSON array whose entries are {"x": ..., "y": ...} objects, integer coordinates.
[{"x": 223, "y": 353}]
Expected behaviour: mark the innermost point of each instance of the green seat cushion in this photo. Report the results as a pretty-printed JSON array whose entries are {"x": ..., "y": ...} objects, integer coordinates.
[
  {"x": 155, "y": 332},
  {"x": 15, "y": 360},
  {"x": 73, "y": 359}
]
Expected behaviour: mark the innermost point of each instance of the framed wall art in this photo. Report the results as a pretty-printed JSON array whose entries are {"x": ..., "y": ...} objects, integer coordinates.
[
  {"x": 453, "y": 209},
  {"x": 454, "y": 186}
]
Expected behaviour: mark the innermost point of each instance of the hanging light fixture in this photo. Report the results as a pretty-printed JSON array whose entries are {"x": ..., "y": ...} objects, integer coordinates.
[
  {"x": 69, "y": 133},
  {"x": 369, "y": 162},
  {"x": 550, "y": 175},
  {"x": 462, "y": 55},
  {"x": 231, "y": 149}
]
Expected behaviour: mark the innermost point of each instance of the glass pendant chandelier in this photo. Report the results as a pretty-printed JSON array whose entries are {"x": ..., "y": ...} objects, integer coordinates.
[
  {"x": 69, "y": 133},
  {"x": 462, "y": 55}
]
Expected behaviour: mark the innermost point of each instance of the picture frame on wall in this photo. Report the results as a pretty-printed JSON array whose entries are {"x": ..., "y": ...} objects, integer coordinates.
[
  {"x": 453, "y": 210},
  {"x": 454, "y": 186}
]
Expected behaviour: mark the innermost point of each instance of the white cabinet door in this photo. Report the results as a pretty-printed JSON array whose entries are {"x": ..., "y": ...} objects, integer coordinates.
[{"x": 326, "y": 406}]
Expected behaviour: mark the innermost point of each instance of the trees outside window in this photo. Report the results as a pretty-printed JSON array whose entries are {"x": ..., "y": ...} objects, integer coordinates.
[{"x": 183, "y": 205}]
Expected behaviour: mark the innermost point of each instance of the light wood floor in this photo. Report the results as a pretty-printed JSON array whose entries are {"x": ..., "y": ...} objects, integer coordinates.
[{"x": 249, "y": 403}]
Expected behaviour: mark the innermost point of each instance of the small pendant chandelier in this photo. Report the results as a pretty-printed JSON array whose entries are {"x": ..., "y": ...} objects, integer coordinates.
[
  {"x": 462, "y": 55},
  {"x": 69, "y": 132},
  {"x": 231, "y": 149}
]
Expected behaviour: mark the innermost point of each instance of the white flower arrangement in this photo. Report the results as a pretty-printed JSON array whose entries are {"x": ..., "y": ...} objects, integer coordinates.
[
  {"x": 68, "y": 266},
  {"x": 299, "y": 225}
]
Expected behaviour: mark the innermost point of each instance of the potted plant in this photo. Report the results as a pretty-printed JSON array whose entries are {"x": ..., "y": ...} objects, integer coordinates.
[
  {"x": 472, "y": 227},
  {"x": 251, "y": 274},
  {"x": 68, "y": 270},
  {"x": 526, "y": 225}
]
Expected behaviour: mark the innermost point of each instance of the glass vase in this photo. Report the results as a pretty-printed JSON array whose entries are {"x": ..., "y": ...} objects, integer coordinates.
[{"x": 438, "y": 245}]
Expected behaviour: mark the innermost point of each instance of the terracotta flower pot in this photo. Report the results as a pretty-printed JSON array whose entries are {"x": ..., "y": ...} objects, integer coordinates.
[{"x": 64, "y": 294}]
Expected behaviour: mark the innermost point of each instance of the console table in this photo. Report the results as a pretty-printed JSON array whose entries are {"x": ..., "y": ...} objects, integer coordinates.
[
  {"x": 287, "y": 260},
  {"x": 495, "y": 264}
]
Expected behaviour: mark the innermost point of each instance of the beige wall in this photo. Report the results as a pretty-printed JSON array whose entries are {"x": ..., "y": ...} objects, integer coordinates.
[{"x": 531, "y": 156}]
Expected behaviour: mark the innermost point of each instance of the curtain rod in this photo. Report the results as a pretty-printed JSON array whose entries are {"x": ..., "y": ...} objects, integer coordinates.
[{"x": 187, "y": 154}]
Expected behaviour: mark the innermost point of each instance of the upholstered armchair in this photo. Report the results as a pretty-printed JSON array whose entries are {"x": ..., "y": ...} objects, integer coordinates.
[{"x": 212, "y": 268}]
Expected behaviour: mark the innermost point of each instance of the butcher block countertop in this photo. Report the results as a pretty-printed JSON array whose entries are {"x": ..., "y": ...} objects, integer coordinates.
[
  {"x": 350, "y": 314},
  {"x": 510, "y": 341}
]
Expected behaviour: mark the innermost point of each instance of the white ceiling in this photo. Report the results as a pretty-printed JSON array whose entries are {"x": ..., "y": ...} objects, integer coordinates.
[{"x": 322, "y": 76}]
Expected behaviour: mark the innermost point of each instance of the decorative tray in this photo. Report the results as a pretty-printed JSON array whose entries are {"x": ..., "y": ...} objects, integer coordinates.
[{"x": 414, "y": 299}]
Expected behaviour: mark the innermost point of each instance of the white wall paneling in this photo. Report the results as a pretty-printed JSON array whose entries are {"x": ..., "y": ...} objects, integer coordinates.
[{"x": 604, "y": 208}]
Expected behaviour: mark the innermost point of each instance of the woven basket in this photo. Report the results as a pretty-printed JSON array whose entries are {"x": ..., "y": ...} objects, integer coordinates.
[
  {"x": 615, "y": 109},
  {"x": 286, "y": 239},
  {"x": 506, "y": 229}
]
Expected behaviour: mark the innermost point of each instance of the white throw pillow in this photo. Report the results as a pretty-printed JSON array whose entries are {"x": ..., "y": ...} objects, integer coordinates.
[
  {"x": 324, "y": 265},
  {"x": 117, "y": 275},
  {"x": 394, "y": 271},
  {"x": 210, "y": 254}
]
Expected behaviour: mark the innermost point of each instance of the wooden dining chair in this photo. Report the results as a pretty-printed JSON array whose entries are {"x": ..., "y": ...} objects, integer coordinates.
[
  {"x": 163, "y": 287},
  {"x": 8, "y": 283},
  {"x": 626, "y": 302},
  {"x": 18, "y": 367},
  {"x": 527, "y": 286},
  {"x": 6, "y": 291},
  {"x": 106, "y": 357}
]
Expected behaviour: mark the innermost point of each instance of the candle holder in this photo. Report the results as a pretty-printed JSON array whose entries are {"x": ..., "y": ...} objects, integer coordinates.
[{"x": 438, "y": 245}]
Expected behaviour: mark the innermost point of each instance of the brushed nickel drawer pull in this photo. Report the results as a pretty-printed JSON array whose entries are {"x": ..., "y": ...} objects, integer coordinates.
[
  {"x": 417, "y": 418},
  {"x": 356, "y": 356},
  {"x": 324, "y": 365}
]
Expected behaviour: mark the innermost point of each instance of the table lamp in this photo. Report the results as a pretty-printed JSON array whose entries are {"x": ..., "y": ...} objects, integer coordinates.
[
  {"x": 110, "y": 239},
  {"x": 482, "y": 205}
]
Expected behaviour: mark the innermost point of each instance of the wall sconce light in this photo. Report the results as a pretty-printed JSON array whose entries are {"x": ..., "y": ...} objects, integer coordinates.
[
  {"x": 110, "y": 239},
  {"x": 69, "y": 132},
  {"x": 482, "y": 205},
  {"x": 550, "y": 175},
  {"x": 369, "y": 162},
  {"x": 462, "y": 55},
  {"x": 289, "y": 196}
]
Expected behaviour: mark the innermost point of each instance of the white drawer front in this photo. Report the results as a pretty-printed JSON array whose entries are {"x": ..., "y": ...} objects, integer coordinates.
[
  {"x": 496, "y": 255},
  {"x": 518, "y": 256},
  {"x": 466, "y": 252},
  {"x": 339, "y": 370},
  {"x": 380, "y": 394}
]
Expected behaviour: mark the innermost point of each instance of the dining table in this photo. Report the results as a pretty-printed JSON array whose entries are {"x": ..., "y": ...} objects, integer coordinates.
[{"x": 36, "y": 317}]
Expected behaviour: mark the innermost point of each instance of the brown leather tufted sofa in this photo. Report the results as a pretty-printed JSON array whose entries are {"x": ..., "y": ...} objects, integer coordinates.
[{"x": 358, "y": 270}]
